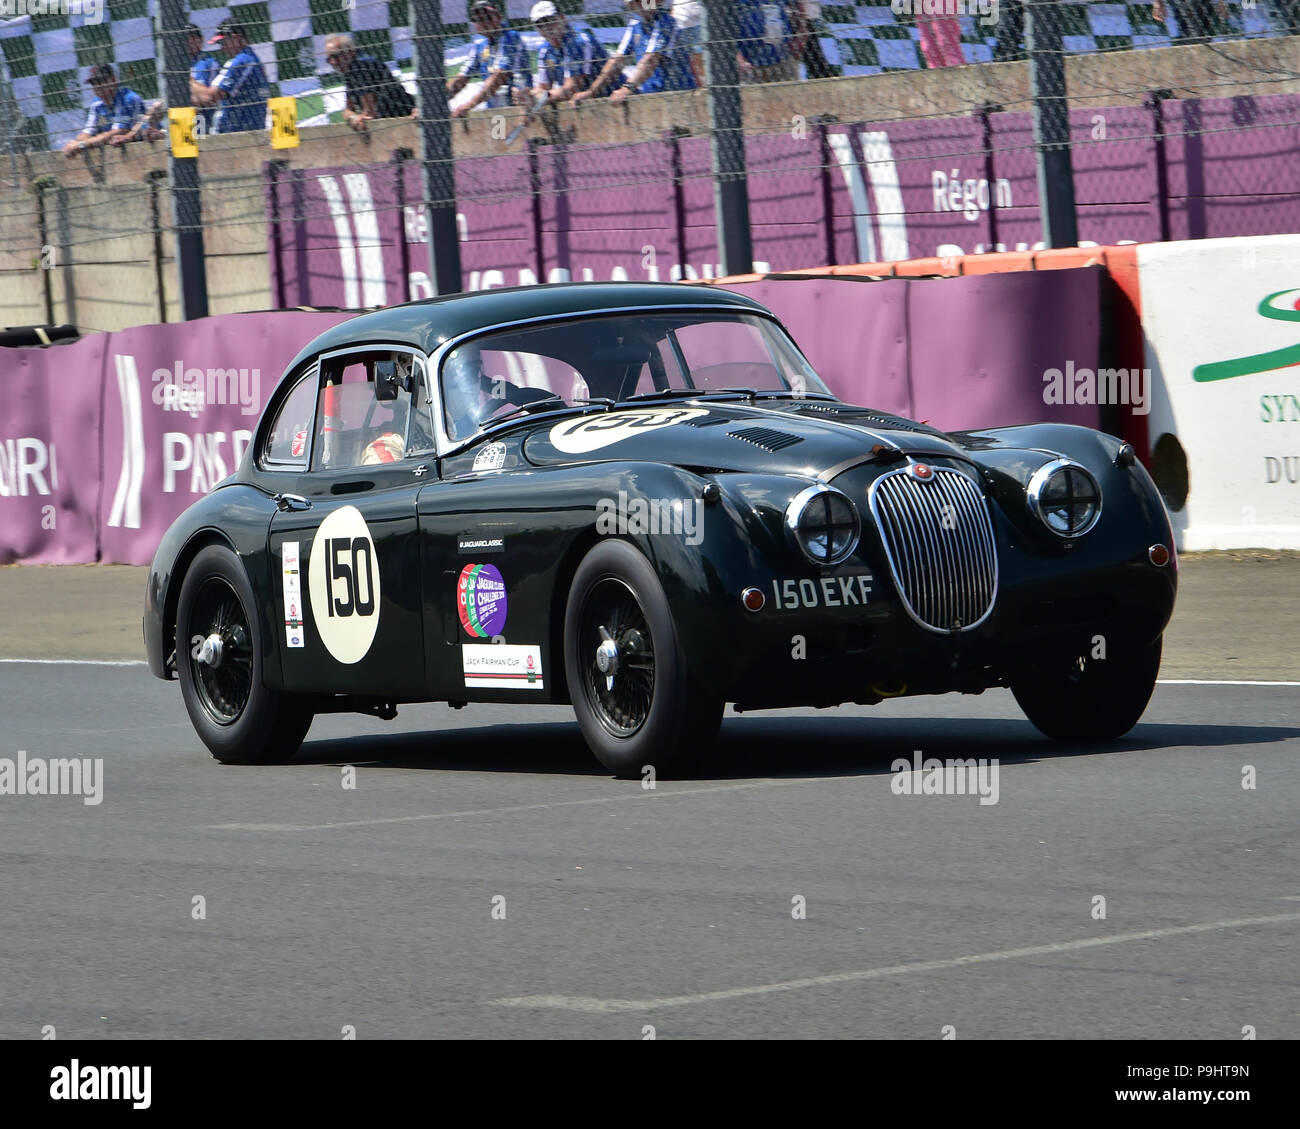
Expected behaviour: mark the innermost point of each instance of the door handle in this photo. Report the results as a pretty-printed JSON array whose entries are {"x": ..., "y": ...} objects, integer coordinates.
[{"x": 286, "y": 503}]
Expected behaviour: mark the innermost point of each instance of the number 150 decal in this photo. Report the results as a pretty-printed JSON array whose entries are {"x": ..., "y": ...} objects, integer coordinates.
[{"x": 344, "y": 583}]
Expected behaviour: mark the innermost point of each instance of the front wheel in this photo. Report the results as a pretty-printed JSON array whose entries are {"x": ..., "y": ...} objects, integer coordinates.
[
  {"x": 219, "y": 663},
  {"x": 1090, "y": 699},
  {"x": 636, "y": 703}
]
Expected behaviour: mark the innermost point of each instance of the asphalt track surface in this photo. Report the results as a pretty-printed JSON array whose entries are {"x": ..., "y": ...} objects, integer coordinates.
[{"x": 625, "y": 908}]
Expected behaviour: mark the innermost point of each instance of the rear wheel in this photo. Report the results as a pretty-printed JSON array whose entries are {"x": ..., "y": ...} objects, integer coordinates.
[
  {"x": 1090, "y": 699},
  {"x": 636, "y": 703},
  {"x": 219, "y": 663}
]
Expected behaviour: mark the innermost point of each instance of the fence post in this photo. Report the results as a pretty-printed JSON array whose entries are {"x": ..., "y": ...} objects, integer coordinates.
[
  {"x": 65, "y": 255},
  {"x": 439, "y": 175},
  {"x": 187, "y": 208},
  {"x": 1051, "y": 123},
  {"x": 153, "y": 176},
  {"x": 727, "y": 132}
]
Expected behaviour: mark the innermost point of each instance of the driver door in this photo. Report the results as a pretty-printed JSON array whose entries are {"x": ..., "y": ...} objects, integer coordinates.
[{"x": 344, "y": 553}]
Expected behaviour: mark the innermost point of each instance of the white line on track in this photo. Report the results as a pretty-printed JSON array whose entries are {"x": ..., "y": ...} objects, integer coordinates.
[
  {"x": 590, "y": 1004},
  {"x": 628, "y": 795},
  {"x": 1218, "y": 682},
  {"x": 78, "y": 662}
]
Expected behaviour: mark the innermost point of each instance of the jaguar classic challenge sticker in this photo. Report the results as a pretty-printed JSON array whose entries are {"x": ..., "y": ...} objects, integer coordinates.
[
  {"x": 343, "y": 578},
  {"x": 591, "y": 433},
  {"x": 502, "y": 666},
  {"x": 481, "y": 600},
  {"x": 289, "y": 558}
]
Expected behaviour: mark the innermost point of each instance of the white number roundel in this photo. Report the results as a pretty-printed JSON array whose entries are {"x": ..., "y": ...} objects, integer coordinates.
[
  {"x": 591, "y": 433},
  {"x": 343, "y": 578}
]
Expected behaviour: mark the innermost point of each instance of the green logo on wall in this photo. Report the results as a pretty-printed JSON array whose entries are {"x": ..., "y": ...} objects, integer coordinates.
[{"x": 1259, "y": 362}]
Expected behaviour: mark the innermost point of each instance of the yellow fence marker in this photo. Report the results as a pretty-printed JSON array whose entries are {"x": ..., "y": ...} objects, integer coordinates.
[
  {"x": 284, "y": 122},
  {"x": 180, "y": 123}
]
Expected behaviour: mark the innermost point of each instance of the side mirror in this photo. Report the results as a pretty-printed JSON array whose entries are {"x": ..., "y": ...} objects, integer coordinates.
[{"x": 387, "y": 382}]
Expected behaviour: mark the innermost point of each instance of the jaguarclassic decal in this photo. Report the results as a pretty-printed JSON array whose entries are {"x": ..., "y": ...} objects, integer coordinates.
[
  {"x": 577, "y": 437},
  {"x": 343, "y": 578}
]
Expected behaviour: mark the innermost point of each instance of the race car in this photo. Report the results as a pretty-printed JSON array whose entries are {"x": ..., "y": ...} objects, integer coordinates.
[{"x": 641, "y": 500}]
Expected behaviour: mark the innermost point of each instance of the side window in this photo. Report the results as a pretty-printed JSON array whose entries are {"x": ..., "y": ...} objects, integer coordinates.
[
  {"x": 286, "y": 442},
  {"x": 353, "y": 428}
]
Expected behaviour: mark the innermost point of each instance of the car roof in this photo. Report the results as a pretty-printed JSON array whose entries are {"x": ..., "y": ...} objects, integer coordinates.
[{"x": 429, "y": 323}]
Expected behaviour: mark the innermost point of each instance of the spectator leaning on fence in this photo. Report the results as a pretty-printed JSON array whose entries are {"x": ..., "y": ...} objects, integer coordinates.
[
  {"x": 203, "y": 72},
  {"x": 650, "y": 40},
  {"x": 688, "y": 15},
  {"x": 115, "y": 115},
  {"x": 765, "y": 41},
  {"x": 569, "y": 59},
  {"x": 239, "y": 91},
  {"x": 372, "y": 89},
  {"x": 497, "y": 56}
]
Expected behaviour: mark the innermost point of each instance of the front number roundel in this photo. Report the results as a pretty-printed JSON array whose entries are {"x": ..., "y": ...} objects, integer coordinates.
[{"x": 343, "y": 579}]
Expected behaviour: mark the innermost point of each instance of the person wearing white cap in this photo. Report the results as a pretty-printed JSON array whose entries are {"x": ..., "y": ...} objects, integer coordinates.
[
  {"x": 497, "y": 56},
  {"x": 569, "y": 58}
]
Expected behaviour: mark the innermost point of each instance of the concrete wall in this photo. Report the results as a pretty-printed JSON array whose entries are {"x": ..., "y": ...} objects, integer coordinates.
[{"x": 110, "y": 243}]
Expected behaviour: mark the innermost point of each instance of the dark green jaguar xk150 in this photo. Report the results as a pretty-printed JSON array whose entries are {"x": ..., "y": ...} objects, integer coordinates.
[{"x": 642, "y": 500}]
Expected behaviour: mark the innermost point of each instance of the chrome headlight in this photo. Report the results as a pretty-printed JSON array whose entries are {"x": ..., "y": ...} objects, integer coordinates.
[
  {"x": 823, "y": 524},
  {"x": 1065, "y": 497}
]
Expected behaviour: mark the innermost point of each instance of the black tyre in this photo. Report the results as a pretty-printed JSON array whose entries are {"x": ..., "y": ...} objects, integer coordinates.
[
  {"x": 630, "y": 684},
  {"x": 1090, "y": 699},
  {"x": 219, "y": 663}
]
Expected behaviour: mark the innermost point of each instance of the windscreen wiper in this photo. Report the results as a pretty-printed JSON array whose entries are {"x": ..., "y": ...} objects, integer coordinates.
[{"x": 689, "y": 393}]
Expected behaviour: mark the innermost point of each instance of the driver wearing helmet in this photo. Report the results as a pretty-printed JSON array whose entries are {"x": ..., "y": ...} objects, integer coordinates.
[{"x": 466, "y": 391}]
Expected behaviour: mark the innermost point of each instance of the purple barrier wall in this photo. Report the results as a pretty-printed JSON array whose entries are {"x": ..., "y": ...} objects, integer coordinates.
[
  {"x": 961, "y": 352},
  {"x": 120, "y": 432},
  {"x": 49, "y": 452},
  {"x": 839, "y": 194},
  {"x": 103, "y": 443}
]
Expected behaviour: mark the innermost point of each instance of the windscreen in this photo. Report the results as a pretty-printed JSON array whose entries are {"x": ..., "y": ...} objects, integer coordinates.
[{"x": 618, "y": 357}]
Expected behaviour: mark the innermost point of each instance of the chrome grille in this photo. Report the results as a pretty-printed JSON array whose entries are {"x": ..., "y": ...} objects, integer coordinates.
[{"x": 938, "y": 537}]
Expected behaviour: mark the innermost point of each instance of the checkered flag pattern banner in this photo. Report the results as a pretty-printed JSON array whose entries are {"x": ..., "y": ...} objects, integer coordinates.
[{"x": 46, "y": 54}]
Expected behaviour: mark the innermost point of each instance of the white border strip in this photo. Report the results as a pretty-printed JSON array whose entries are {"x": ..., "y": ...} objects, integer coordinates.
[
  {"x": 590, "y": 1004},
  {"x": 78, "y": 662},
  {"x": 1218, "y": 682}
]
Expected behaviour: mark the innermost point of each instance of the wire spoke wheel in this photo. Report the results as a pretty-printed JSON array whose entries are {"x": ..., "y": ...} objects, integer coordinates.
[
  {"x": 620, "y": 660},
  {"x": 222, "y": 662}
]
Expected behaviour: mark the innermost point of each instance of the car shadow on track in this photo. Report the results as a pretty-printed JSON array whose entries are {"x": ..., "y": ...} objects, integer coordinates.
[{"x": 752, "y": 746}]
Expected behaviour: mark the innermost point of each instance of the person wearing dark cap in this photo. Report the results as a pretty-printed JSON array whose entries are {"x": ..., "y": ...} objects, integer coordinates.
[
  {"x": 115, "y": 113},
  {"x": 497, "y": 56},
  {"x": 372, "y": 91},
  {"x": 240, "y": 90},
  {"x": 203, "y": 72}
]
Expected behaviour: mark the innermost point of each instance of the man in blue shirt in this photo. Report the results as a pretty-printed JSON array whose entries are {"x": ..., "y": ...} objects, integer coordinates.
[
  {"x": 570, "y": 58},
  {"x": 498, "y": 57},
  {"x": 239, "y": 91},
  {"x": 651, "y": 40},
  {"x": 116, "y": 112},
  {"x": 763, "y": 41},
  {"x": 203, "y": 70}
]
